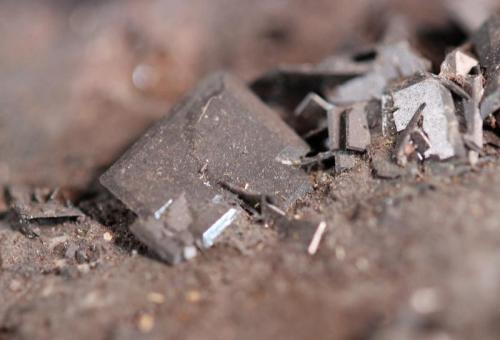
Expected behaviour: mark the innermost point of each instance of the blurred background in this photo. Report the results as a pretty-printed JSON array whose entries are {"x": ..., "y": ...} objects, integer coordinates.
[{"x": 80, "y": 80}]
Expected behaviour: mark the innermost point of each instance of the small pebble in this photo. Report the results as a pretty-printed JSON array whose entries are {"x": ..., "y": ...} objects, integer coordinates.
[
  {"x": 425, "y": 300},
  {"x": 107, "y": 236},
  {"x": 59, "y": 263},
  {"x": 157, "y": 298},
  {"x": 57, "y": 241},
  {"x": 83, "y": 268},
  {"x": 193, "y": 296},
  {"x": 15, "y": 285},
  {"x": 48, "y": 289},
  {"x": 340, "y": 253},
  {"x": 146, "y": 323}
]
